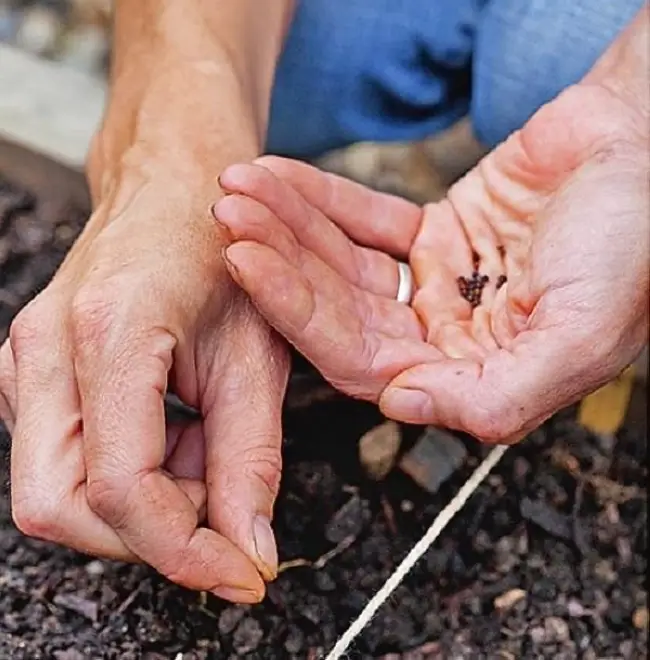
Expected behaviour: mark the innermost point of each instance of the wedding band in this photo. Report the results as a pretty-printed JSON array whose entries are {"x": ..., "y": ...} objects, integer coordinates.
[{"x": 405, "y": 286}]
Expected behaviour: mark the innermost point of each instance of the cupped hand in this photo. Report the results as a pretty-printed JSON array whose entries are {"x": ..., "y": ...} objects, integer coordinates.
[
  {"x": 553, "y": 224},
  {"x": 141, "y": 304}
]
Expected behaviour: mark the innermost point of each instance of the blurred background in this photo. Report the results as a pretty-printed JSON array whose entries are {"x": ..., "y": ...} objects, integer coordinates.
[{"x": 73, "y": 32}]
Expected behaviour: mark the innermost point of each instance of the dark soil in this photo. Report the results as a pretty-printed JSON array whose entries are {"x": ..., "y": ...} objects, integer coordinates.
[{"x": 563, "y": 518}]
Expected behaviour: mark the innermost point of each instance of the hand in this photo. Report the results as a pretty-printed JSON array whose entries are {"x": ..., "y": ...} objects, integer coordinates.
[
  {"x": 143, "y": 303},
  {"x": 560, "y": 210}
]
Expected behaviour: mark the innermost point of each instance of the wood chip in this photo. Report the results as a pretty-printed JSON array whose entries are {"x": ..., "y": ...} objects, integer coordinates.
[
  {"x": 509, "y": 599},
  {"x": 640, "y": 618}
]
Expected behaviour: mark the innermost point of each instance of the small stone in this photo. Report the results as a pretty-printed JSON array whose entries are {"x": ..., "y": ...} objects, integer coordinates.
[
  {"x": 433, "y": 460},
  {"x": 31, "y": 234},
  {"x": 640, "y": 619},
  {"x": 248, "y": 636},
  {"x": 537, "y": 635},
  {"x": 550, "y": 520},
  {"x": 575, "y": 609},
  {"x": 378, "y": 449},
  {"x": 348, "y": 520},
  {"x": 94, "y": 568},
  {"x": 522, "y": 543},
  {"x": 624, "y": 550},
  {"x": 509, "y": 599},
  {"x": 39, "y": 30},
  {"x": 605, "y": 571},
  {"x": 626, "y": 649},
  {"x": 229, "y": 618},
  {"x": 482, "y": 541},
  {"x": 68, "y": 654},
  {"x": 556, "y": 629},
  {"x": 78, "y": 604},
  {"x": 324, "y": 582},
  {"x": 295, "y": 640},
  {"x": 612, "y": 513},
  {"x": 406, "y": 506}
]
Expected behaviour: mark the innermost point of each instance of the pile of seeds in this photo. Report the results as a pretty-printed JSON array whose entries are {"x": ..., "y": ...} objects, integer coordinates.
[{"x": 472, "y": 288}]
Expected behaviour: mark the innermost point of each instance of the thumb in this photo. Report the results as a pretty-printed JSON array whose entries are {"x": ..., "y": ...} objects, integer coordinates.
[
  {"x": 507, "y": 396},
  {"x": 243, "y": 432}
]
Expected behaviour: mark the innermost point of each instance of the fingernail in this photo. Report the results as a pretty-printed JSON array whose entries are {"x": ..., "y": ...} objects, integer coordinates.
[
  {"x": 234, "y": 595},
  {"x": 407, "y": 405},
  {"x": 222, "y": 176},
  {"x": 215, "y": 217},
  {"x": 232, "y": 269},
  {"x": 265, "y": 547}
]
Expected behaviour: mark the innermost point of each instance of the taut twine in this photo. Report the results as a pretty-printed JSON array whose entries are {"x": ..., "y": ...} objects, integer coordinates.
[{"x": 416, "y": 552}]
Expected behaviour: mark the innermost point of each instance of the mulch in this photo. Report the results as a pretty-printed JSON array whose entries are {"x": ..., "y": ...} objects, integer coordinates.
[{"x": 547, "y": 560}]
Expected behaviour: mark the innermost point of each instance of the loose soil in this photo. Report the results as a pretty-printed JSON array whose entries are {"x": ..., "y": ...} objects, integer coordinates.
[{"x": 556, "y": 537}]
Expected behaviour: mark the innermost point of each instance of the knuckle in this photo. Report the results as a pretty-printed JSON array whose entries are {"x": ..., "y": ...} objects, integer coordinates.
[
  {"x": 495, "y": 423},
  {"x": 6, "y": 367},
  {"x": 273, "y": 163},
  {"x": 37, "y": 516},
  {"x": 106, "y": 499},
  {"x": 27, "y": 328},
  {"x": 176, "y": 569},
  {"x": 92, "y": 312},
  {"x": 264, "y": 465}
]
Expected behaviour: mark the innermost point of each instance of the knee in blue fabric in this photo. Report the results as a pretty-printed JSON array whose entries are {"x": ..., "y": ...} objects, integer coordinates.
[
  {"x": 528, "y": 51},
  {"x": 356, "y": 70},
  {"x": 383, "y": 70}
]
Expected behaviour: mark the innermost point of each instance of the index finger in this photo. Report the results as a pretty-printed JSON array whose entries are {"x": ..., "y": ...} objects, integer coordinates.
[
  {"x": 371, "y": 218},
  {"x": 124, "y": 435}
]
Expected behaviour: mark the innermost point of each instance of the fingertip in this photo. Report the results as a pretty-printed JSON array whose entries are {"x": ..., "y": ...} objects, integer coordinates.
[
  {"x": 266, "y": 549},
  {"x": 238, "y": 253},
  {"x": 216, "y": 213},
  {"x": 277, "y": 164},
  {"x": 411, "y": 406},
  {"x": 234, "y": 176},
  {"x": 240, "y": 596},
  {"x": 230, "y": 256}
]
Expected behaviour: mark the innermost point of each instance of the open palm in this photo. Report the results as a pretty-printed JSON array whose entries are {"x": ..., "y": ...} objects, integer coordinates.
[{"x": 551, "y": 227}]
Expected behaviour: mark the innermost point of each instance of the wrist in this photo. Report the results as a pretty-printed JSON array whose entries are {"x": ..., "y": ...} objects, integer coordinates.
[
  {"x": 624, "y": 70},
  {"x": 178, "y": 128},
  {"x": 190, "y": 89}
]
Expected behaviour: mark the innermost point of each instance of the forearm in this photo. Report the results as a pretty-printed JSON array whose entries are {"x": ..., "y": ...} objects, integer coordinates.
[
  {"x": 625, "y": 67},
  {"x": 190, "y": 89}
]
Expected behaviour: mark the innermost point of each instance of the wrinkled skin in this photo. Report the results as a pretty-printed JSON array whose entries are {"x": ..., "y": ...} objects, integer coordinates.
[
  {"x": 561, "y": 209},
  {"x": 83, "y": 377}
]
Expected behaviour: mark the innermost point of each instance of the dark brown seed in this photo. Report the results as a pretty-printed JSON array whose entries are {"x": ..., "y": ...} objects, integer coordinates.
[{"x": 501, "y": 281}]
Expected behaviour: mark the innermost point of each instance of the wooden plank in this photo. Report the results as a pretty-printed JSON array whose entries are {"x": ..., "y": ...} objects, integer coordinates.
[{"x": 48, "y": 107}]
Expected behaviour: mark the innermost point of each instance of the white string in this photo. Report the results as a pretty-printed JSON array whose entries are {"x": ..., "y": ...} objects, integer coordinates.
[{"x": 416, "y": 552}]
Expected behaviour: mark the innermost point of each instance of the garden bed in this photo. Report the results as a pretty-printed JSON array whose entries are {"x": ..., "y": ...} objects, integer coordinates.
[{"x": 547, "y": 560}]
